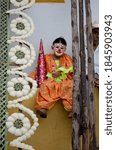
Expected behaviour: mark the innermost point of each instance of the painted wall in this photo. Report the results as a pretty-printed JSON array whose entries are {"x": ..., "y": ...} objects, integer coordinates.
[
  {"x": 51, "y": 21},
  {"x": 55, "y": 132},
  {"x": 95, "y": 19}
]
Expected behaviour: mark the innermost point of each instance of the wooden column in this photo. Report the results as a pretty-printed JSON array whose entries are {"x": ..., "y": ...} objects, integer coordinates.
[
  {"x": 84, "y": 108},
  {"x": 92, "y": 141},
  {"x": 76, "y": 78}
]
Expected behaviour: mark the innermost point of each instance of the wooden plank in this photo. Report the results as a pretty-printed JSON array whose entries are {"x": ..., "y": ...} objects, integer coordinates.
[
  {"x": 76, "y": 78},
  {"x": 92, "y": 133},
  {"x": 84, "y": 108},
  {"x": 49, "y": 1}
]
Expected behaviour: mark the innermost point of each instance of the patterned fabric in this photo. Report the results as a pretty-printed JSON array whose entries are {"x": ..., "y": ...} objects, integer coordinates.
[
  {"x": 41, "y": 72},
  {"x": 62, "y": 70},
  {"x": 51, "y": 91}
]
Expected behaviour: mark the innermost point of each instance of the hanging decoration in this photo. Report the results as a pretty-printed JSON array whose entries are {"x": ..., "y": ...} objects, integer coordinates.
[{"x": 22, "y": 55}]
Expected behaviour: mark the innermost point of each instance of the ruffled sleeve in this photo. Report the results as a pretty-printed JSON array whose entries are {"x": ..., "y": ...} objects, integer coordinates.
[{"x": 33, "y": 75}]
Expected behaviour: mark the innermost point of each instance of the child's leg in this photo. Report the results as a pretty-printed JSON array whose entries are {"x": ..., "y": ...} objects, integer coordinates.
[
  {"x": 45, "y": 102},
  {"x": 47, "y": 95},
  {"x": 67, "y": 104},
  {"x": 66, "y": 95}
]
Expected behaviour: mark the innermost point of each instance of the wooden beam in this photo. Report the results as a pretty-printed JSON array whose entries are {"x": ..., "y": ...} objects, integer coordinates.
[
  {"x": 50, "y": 1},
  {"x": 92, "y": 141},
  {"x": 76, "y": 78},
  {"x": 84, "y": 108}
]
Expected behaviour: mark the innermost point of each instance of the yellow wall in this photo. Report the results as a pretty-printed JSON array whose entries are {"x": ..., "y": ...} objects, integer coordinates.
[
  {"x": 54, "y": 133},
  {"x": 97, "y": 113}
]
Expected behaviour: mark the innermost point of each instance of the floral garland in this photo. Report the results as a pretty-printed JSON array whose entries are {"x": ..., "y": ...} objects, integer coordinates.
[
  {"x": 28, "y": 60},
  {"x": 17, "y": 122},
  {"x": 31, "y": 92},
  {"x": 19, "y": 55},
  {"x": 22, "y": 55},
  {"x": 18, "y": 87},
  {"x": 19, "y": 3},
  {"x": 22, "y": 27},
  {"x": 22, "y": 4}
]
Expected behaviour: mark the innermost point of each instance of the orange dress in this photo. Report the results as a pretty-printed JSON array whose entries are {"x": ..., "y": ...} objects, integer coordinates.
[{"x": 50, "y": 90}]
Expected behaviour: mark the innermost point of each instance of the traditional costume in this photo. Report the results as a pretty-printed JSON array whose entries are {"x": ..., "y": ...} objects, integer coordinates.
[{"x": 54, "y": 89}]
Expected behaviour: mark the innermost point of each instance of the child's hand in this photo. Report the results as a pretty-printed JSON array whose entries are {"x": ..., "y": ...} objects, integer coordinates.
[{"x": 56, "y": 74}]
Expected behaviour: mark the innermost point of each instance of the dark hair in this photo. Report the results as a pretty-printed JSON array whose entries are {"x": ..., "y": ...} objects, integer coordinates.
[{"x": 60, "y": 40}]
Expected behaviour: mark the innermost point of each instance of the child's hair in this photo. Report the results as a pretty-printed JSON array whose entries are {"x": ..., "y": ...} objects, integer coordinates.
[{"x": 60, "y": 40}]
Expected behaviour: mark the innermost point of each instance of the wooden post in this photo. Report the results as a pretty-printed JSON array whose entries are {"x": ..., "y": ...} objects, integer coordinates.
[
  {"x": 92, "y": 141},
  {"x": 76, "y": 78},
  {"x": 84, "y": 108}
]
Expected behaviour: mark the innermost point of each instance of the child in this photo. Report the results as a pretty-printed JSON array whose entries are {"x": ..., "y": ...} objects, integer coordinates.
[{"x": 58, "y": 83}]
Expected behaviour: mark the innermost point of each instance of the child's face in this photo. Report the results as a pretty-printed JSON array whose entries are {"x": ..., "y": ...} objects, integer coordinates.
[{"x": 59, "y": 49}]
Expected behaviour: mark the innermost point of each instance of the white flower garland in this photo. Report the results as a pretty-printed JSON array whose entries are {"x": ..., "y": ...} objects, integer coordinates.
[
  {"x": 19, "y": 55},
  {"x": 18, "y": 87},
  {"x": 20, "y": 26},
  {"x": 27, "y": 34},
  {"x": 27, "y": 134},
  {"x": 18, "y": 144},
  {"x": 18, "y": 124},
  {"x": 27, "y": 79},
  {"x": 19, "y": 3},
  {"x": 23, "y": 7},
  {"x": 32, "y": 54},
  {"x": 10, "y": 72}
]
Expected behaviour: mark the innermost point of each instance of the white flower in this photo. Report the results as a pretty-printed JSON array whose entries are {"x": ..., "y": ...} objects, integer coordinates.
[
  {"x": 32, "y": 54},
  {"x": 19, "y": 55},
  {"x": 19, "y": 3},
  {"x": 20, "y": 26},
  {"x": 30, "y": 21},
  {"x": 18, "y": 124},
  {"x": 18, "y": 144},
  {"x": 18, "y": 87},
  {"x": 31, "y": 92},
  {"x": 24, "y": 6},
  {"x": 18, "y": 120}
]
